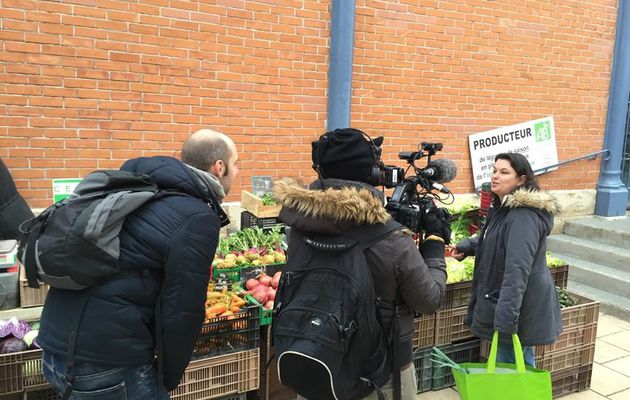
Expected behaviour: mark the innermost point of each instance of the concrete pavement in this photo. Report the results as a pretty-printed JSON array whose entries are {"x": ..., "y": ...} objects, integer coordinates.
[{"x": 611, "y": 367}]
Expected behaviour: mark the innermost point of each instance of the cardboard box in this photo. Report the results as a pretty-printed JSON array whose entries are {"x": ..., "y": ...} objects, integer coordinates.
[{"x": 254, "y": 205}]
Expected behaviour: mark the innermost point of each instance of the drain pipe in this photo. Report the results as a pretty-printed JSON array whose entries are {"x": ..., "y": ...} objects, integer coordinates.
[
  {"x": 612, "y": 194},
  {"x": 340, "y": 64}
]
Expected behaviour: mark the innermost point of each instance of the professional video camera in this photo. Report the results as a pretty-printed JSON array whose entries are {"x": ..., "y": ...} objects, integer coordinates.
[{"x": 415, "y": 194}]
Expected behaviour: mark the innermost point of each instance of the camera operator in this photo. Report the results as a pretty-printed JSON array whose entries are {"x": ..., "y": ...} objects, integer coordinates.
[{"x": 344, "y": 197}]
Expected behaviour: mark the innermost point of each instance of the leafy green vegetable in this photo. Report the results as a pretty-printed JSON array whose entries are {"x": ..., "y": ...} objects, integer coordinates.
[
  {"x": 553, "y": 262},
  {"x": 268, "y": 199},
  {"x": 565, "y": 299},
  {"x": 459, "y": 271}
]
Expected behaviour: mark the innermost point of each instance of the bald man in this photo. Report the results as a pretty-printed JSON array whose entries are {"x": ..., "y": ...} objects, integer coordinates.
[{"x": 158, "y": 307}]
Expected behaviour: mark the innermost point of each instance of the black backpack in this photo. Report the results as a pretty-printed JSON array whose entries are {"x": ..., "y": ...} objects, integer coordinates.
[
  {"x": 73, "y": 244},
  {"x": 328, "y": 336}
]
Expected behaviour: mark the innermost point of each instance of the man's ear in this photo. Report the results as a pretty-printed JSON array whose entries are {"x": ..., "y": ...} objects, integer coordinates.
[{"x": 218, "y": 169}]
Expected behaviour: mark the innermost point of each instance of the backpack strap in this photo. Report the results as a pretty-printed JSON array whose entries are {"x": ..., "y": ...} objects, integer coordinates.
[
  {"x": 367, "y": 236},
  {"x": 77, "y": 309}
]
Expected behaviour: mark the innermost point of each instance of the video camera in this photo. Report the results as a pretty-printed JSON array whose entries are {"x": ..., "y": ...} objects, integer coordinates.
[{"x": 414, "y": 195}]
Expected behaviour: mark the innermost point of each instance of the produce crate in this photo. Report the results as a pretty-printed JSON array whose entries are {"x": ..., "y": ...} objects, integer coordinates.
[
  {"x": 215, "y": 377},
  {"x": 449, "y": 326},
  {"x": 570, "y": 338},
  {"x": 19, "y": 371},
  {"x": 571, "y": 380},
  {"x": 222, "y": 335},
  {"x": 30, "y": 297},
  {"x": 249, "y": 220},
  {"x": 254, "y": 205},
  {"x": 231, "y": 274},
  {"x": 468, "y": 351},
  {"x": 557, "y": 360},
  {"x": 424, "y": 368},
  {"x": 560, "y": 360},
  {"x": 584, "y": 313},
  {"x": 457, "y": 294},
  {"x": 560, "y": 275},
  {"x": 424, "y": 331},
  {"x": 44, "y": 394},
  {"x": 266, "y": 316}
]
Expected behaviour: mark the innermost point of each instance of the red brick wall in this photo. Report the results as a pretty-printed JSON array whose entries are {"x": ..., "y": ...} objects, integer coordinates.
[{"x": 87, "y": 84}]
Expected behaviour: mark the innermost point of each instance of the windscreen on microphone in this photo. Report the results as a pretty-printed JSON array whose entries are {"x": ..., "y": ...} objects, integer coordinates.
[{"x": 445, "y": 170}]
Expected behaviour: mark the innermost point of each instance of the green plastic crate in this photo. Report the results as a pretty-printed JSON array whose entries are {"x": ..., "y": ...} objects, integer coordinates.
[{"x": 265, "y": 315}]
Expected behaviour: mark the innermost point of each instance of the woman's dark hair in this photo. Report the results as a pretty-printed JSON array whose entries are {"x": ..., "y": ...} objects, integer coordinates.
[{"x": 522, "y": 167}]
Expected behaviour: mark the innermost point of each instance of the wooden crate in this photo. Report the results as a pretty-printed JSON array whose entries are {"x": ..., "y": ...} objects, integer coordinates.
[{"x": 254, "y": 205}]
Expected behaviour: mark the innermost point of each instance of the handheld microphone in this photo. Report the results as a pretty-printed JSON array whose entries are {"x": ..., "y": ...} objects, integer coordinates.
[{"x": 441, "y": 170}]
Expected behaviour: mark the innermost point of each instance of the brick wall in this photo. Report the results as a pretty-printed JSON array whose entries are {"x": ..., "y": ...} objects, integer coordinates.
[{"x": 87, "y": 84}]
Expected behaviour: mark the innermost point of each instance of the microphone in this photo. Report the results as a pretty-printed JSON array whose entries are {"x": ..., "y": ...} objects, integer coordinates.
[{"x": 441, "y": 170}]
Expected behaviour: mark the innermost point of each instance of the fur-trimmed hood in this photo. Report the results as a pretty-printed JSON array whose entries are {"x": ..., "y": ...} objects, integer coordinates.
[
  {"x": 533, "y": 199},
  {"x": 338, "y": 206}
]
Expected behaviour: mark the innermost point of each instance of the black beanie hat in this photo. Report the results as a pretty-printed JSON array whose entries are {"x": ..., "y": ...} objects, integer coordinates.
[{"x": 346, "y": 154}]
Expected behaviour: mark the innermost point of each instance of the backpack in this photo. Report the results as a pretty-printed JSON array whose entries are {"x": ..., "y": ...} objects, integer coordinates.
[
  {"x": 73, "y": 244},
  {"x": 328, "y": 336}
]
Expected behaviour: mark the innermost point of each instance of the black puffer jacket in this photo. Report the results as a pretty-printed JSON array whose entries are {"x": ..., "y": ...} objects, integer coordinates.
[
  {"x": 399, "y": 270},
  {"x": 13, "y": 208},
  {"x": 176, "y": 236},
  {"x": 513, "y": 291}
]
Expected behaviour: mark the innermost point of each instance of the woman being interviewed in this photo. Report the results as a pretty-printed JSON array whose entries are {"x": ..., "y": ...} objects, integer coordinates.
[{"x": 513, "y": 291}]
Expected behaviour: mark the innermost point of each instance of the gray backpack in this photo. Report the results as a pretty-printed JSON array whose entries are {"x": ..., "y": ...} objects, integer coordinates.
[{"x": 74, "y": 244}]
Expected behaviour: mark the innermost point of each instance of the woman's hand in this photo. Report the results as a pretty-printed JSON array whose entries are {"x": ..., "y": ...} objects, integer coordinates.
[{"x": 455, "y": 253}]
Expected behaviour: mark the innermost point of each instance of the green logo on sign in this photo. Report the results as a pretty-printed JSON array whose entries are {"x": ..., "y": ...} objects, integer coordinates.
[{"x": 543, "y": 131}]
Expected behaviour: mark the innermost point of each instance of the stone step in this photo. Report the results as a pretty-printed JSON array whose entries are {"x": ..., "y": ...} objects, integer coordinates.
[
  {"x": 599, "y": 253},
  {"x": 612, "y": 231},
  {"x": 597, "y": 276},
  {"x": 618, "y": 306}
]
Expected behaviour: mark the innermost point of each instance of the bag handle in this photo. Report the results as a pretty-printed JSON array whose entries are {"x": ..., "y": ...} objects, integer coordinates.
[{"x": 518, "y": 354}]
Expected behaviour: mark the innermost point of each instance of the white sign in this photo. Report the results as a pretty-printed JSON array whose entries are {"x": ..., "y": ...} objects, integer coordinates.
[
  {"x": 535, "y": 139},
  {"x": 63, "y": 188}
]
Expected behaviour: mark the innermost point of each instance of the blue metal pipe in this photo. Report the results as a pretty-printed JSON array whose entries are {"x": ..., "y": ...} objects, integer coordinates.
[
  {"x": 340, "y": 65},
  {"x": 612, "y": 194}
]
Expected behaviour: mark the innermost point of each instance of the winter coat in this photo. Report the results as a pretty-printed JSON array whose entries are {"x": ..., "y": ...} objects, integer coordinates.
[
  {"x": 13, "y": 208},
  {"x": 399, "y": 270},
  {"x": 513, "y": 291},
  {"x": 175, "y": 237}
]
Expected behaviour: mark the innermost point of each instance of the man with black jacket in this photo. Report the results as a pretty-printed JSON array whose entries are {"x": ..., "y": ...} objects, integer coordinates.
[
  {"x": 343, "y": 198},
  {"x": 13, "y": 208},
  {"x": 128, "y": 319}
]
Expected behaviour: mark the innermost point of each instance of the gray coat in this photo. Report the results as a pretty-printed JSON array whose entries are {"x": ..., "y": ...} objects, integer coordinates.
[{"x": 513, "y": 291}]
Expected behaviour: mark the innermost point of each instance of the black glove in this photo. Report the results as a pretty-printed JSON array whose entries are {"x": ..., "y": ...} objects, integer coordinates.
[{"x": 437, "y": 222}]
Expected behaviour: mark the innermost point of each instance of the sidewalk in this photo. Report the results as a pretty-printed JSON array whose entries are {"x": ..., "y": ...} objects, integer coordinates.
[{"x": 611, "y": 368}]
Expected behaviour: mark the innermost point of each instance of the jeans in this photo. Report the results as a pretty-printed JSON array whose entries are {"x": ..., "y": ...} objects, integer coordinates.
[
  {"x": 104, "y": 383},
  {"x": 505, "y": 354}
]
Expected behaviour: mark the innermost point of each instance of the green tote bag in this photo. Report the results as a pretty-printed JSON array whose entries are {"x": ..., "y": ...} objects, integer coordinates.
[{"x": 499, "y": 381}]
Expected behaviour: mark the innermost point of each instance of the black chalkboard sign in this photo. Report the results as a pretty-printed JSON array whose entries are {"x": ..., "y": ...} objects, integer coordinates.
[{"x": 261, "y": 185}]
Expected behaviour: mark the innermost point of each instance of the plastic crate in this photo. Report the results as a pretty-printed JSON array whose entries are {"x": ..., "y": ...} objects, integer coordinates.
[
  {"x": 461, "y": 352},
  {"x": 554, "y": 361},
  {"x": 560, "y": 275},
  {"x": 45, "y": 394},
  {"x": 424, "y": 331},
  {"x": 571, "y": 380},
  {"x": 560, "y": 360},
  {"x": 449, "y": 326},
  {"x": 249, "y": 220},
  {"x": 457, "y": 294},
  {"x": 571, "y": 338},
  {"x": 30, "y": 297},
  {"x": 19, "y": 371},
  {"x": 584, "y": 313},
  {"x": 266, "y": 316},
  {"x": 424, "y": 368},
  {"x": 220, "y": 376},
  {"x": 222, "y": 335}
]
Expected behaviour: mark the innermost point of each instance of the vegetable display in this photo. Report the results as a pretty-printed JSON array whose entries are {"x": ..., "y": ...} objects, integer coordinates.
[
  {"x": 222, "y": 303},
  {"x": 565, "y": 299},
  {"x": 553, "y": 262},
  {"x": 268, "y": 199},
  {"x": 459, "y": 271},
  {"x": 250, "y": 246},
  {"x": 17, "y": 336},
  {"x": 263, "y": 288}
]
